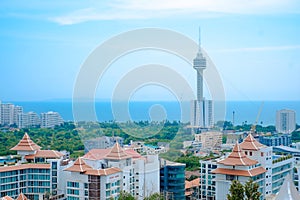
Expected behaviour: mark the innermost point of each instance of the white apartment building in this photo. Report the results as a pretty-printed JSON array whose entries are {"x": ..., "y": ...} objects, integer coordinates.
[
  {"x": 250, "y": 159},
  {"x": 26, "y": 120},
  {"x": 7, "y": 113},
  {"x": 99, "y": 174},
  {"x": 115, "y": 169},
  {"x": 285, "y": 121},
  {"x": 50, "y": 119}
]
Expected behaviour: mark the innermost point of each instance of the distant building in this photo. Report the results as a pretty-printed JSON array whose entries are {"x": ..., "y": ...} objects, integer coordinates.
[
  {"x": 27, "y": 120},
  {"x": 209, "y": 140},
  {"x": 285, "y": 121},
  {"x": 232, "y": 138},
  {"x": 278, "y": 140},
  {"x": 7, "y": 113},
  {"x": 50, "y": 119},
  {"x": 172, "y": 180},
  {"x": 103, "y": 142}
]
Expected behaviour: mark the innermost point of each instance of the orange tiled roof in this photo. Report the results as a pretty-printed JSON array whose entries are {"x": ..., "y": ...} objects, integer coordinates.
[
  {"x": 238, "y": 158},
  {"x": 96, "y": 154},
  {"x": 24, "y": 166},
  {"x": 117, "y": 153},
  {"x": 79, "y": 166},
  {"x": 250, "y": 143},
  {"x": 26, "y": 144},
  {"x": 7, "y": 198},
  {"x": 133, "y": 153},
  {"x": 101, "y": 172},
  {"x": 21, "y": 197},
  {"x": 45, "y": 154},
  {"x": 193, "y": 183},
  {"x": 248, "y": 173}
]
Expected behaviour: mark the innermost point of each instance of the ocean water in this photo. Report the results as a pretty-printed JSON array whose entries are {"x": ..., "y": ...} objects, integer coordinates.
[{"x": 244, "y": 111}]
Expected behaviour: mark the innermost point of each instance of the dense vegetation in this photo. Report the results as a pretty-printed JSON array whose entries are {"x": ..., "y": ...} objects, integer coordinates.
[
  {"x": 64, "y": 137},
  {"x": 70, "y": 136}
]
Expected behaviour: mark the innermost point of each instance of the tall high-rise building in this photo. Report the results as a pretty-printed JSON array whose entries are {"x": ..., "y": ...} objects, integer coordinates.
[
  {"x": 7, "y": 114},
  {"x": 26, "y": 120},
  {"x": 201, "y": 109},
  {"x": 285, "y": 121}
]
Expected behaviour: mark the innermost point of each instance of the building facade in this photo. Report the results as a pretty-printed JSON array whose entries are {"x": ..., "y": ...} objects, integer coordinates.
[
  {"x": 99, "y": 174},
  {"x": 285, "y": 121},
  {"x": 50, "y": 119},
  {"x": 285, "y": 140},
  {"x": 172, "y": 180}
]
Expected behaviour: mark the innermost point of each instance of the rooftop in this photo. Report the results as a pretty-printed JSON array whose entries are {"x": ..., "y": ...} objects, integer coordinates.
[
  {"x": 24, "y": 166},
  {"x": 235, "y": 172},
  {"x": 237, "y": 158},
  {"x": 26, "y": 144},
  {"x": 250, "y": 143}
]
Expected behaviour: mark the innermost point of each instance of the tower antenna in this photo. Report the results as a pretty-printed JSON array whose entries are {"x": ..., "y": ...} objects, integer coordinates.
[{"x": 199, "y": 44}]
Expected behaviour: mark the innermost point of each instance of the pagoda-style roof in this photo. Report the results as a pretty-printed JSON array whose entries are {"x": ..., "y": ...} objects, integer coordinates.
[
  {"x": 45, "y": 154},
  {"x": 117, "y": 153},
  {"x": 288, "y": 190},
  {"x": 22, "y": 197},
  {"x": 235, "y": 172},
  {"x": 102, "y": 172},
  {"x": 79, "y": 166},
  {"x": 237, "y": 158},
  {"x": 250, "y": 143},
  {"x": 26, "y": 144}
]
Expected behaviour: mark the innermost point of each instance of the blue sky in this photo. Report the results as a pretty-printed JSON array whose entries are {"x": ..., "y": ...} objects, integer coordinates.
[{"x": 255, "y": 45}]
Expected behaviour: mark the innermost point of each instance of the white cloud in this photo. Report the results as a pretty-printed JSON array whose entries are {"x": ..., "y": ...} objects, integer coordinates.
[{"x": 144, "y": 9}]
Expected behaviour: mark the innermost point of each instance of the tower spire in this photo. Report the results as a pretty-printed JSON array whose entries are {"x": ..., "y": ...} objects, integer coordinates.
[{"x": 199, "y": 44}]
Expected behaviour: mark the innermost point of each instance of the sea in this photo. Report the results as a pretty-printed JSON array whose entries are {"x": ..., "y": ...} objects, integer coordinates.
[{"x": 244, "y": 111}]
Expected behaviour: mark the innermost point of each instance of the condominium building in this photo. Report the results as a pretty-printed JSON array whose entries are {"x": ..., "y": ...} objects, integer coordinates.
[
  {"x": 103, "y": 173},
  {"x": 207, "y": 179},
  {"x": 276, "y": 140},
  {"x": 50, "y": 119},
  {"x": 27, "y": 120},
  {"x": 172, "y": 180},
  {"x": 250, "y": 159},
  {"x": 99, "y": 174},
  {"x": 7, "y": 113},
  {"x": 285, "y": 121},
  {"x": 237, "y": 166},
  {"x": 36, "y": 178}
]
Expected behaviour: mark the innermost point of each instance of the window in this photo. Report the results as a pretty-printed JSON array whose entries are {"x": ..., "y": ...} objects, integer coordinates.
[
  {"x": 262, "y": 154},
  {"x": 246, "y": 152},
  {"x": 250, "y": 152},
  {"x": 229, "y": 177}
]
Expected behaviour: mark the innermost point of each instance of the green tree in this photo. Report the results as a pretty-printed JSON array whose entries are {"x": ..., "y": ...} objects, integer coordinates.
[
  {"x": 155, "y": 196},
  {"x": 251, "y": 190},
  {"x": 125, "y": 196},
  {"x": 236, "y": 191}
]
